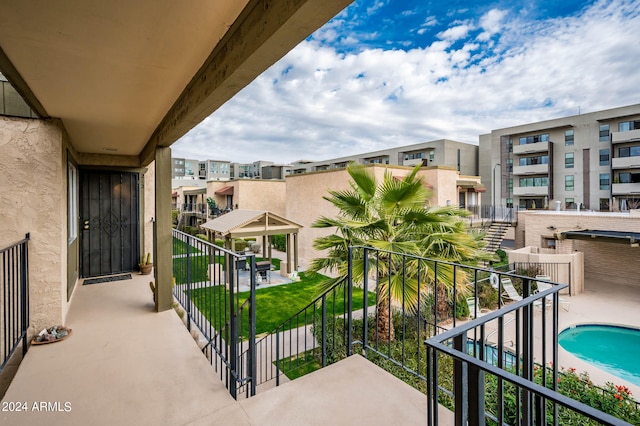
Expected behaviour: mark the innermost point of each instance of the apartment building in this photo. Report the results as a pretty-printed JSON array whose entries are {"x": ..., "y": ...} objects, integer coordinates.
[
  {"x": 184, "y": 168},
  {"x": 462, "y": 156},
  {"x": 586, "y": 161},
  {"x": 249, "y": 170}
]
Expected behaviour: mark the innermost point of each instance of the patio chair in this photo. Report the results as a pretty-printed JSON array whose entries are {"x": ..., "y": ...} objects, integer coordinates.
[
  {"x": 472, "y": 302},
  {"x": 542, "y": 286},
  {"x": 509, "y": 291}
]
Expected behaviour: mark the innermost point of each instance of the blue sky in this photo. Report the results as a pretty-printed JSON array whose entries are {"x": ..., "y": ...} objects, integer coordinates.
[{"x": 396, "y": 72}]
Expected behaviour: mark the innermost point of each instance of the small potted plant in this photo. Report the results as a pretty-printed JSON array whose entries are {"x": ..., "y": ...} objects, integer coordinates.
[{"x": 146, "y": 265}]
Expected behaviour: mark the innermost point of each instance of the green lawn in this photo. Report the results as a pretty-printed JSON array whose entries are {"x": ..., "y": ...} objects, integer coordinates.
[
  {"x": 180, "y": 247},
  {"x": 276, "y": 304}
]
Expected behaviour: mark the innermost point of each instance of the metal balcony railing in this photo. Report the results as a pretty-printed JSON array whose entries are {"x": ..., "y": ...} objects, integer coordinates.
[
  {"x": 394, "y": 309},
  {"x": 14, "y": 299},
  {"x": 208, "y": 280}
]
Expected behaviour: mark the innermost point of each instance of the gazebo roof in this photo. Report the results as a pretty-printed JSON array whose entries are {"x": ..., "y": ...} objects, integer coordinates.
[{"x": 248, "y": 223}]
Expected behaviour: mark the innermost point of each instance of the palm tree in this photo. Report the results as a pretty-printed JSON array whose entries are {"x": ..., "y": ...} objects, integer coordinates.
[{"x": 392, "y": 216}]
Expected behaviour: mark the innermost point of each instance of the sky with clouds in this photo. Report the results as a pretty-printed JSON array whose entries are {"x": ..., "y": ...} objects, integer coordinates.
[{"x": 386, "y": 73}]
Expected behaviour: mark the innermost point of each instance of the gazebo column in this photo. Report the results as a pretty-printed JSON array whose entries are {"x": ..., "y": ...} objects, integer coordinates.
[
  {"x": 269, "y": 243},
  {"x": 296, "y": 267},
  {"x": 288, "y": 246},
  {"x": 264, "y": 246}
]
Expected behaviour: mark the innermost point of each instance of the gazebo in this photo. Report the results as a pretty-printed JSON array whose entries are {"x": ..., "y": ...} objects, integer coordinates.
[{"x": 255, "y": 223}]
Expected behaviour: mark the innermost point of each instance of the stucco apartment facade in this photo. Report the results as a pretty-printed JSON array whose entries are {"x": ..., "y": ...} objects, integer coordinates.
[
  {"x": 589, "y": 161},
  {"x": 305, "y": 192},
  {"x": 443, "y": 152}
]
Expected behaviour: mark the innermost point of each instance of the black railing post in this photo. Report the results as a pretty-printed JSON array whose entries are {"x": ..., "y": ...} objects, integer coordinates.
[
  {"x": 365, "y": 301},
  {"x": 24, "y": 288},
  {"x": 460, "y": 383},
  {"x": 252, "y": 327},
  {"x": 350, "y": 303},
  {"x": 188, "y": 307},
  {"x": 323, "y": 343},
  {"x": 475, "y": 380},
  {"x": 277, "y": 358},
  {"x": 233, "y": 332},
  {"x": 527, "y": 350}
]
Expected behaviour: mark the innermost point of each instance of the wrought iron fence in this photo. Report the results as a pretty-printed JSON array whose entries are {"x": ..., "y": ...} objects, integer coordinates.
[
  {"x": 403, "y": 313},
  {"x": 211, "y": 284},
  {"x": 505, "y": 385},
  {"x": 14, "y": 299}
]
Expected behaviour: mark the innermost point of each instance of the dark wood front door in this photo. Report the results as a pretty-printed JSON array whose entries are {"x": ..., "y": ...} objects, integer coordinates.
[{"x": 109, "y": 216}]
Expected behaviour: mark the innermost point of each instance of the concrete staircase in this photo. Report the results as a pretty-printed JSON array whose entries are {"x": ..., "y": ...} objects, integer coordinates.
[{"x": 495, "y": 234}]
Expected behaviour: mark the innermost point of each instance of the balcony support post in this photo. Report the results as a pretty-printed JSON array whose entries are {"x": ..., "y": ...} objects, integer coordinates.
[{"x": 162, "y": 247}]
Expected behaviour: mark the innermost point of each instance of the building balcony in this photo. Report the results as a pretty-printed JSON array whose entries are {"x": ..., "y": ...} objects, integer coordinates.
[
  {"x": 625, "y": 189},
  {"x": 625, "y": 163},
  {"x": 536, "y": 169},
  {"x": 526, "y": 191},
  {"x": 623, "y": 137},
  {"x": 531, "y": 148}
]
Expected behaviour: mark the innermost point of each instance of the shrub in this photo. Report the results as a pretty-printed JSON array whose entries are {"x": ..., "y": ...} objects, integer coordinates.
[
  {"x": 250, "y": 239},
  {"x": 279, "y": 242},
  {"x": 335, "y": 336},
  {"x": 240, "y": 245},
  {"x": 203, "y": 237},
  {"x": 462, "y": 308},
  {"x": 504, "y": 259},
  {"x": 487, "y": 296},
  {"x": 174, "y": 216},
  {"x": 219, "y": 243}
]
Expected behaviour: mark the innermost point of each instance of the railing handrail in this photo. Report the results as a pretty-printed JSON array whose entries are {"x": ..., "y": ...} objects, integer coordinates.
[
  {"x": 548, "y": 394},
  {"x": 15, "y": 244}
]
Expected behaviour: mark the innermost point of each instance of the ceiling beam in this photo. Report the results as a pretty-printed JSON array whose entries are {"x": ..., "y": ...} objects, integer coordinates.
[
  {"x": 265, "y": 31},
  {"x": 21, "y": 86}
]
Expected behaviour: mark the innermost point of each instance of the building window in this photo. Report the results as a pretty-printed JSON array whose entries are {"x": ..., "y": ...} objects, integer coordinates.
[
  {"x": 532, "y": 161},
  {"x": 604, "y": 133},
  {"x": 568, "y": 137},
  {"x": 568, "y": 160},
  {"x": 604, "y": 181},
  {"x": 625, "y": 126},
  {"x": 569, "y": 203},
  {"x": 569, "y": 183},
  {"x": 510, "y": 203},
  {"x": 458, "y": 160},
  {"x": 510, "y": 165},
  {"x": 534, "y": 139},
  {"x": 510, "y": 145},
  {"x": 432, "y": 155},
  {"x": 604, "y": 204},
  {"x": 604, "y": 157},
  {"x": 629, "y": 151},
  {"x": 510, "y": 185},
  {"x": 628, "y": 177},
  {"x": 549, "y": 243},
  {"x": 534, "y": 181}
]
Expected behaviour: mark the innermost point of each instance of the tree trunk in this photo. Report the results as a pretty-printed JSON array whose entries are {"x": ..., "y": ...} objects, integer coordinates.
[{"x": 384, "y": 326}]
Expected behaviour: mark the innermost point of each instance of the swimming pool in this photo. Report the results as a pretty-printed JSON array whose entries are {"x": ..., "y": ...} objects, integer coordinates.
[{"x": 613, "y": 348}]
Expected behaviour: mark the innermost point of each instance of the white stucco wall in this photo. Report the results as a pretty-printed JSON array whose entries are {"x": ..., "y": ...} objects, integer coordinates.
[{"x": 33, "y": 188}]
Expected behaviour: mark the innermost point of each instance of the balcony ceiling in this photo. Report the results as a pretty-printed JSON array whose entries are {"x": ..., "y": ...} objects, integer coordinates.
[{"x": 127, "y": 76}]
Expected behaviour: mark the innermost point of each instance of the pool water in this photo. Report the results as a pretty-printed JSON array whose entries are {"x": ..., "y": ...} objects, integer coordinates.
[{"x": 615, "y": 349}]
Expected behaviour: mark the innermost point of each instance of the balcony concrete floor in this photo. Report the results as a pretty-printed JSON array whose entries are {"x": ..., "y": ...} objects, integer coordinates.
[{"x": 125, "y": 364}]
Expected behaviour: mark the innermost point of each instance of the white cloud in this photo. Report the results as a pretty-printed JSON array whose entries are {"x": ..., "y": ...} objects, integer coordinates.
[
  {"x": 328, "y": 104},
  {"x": 455, "y": 33},
  {"x": 491, "y": 23}
]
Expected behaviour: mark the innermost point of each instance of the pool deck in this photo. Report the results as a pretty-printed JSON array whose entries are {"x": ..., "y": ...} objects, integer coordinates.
[{"x": 601, "y": 303}]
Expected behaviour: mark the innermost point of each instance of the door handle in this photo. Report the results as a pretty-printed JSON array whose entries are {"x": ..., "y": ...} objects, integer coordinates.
[{"x": 85, "y": 225}]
